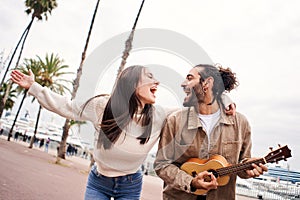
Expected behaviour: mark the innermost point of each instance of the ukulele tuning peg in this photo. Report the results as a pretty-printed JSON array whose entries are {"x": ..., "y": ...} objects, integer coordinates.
[
  {"x": 271, "y": 148},
  {"x": 279, "y": 145}
]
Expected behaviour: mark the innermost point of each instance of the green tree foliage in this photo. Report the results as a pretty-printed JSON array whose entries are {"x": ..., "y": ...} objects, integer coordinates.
[{"x": 12, "y": 95}]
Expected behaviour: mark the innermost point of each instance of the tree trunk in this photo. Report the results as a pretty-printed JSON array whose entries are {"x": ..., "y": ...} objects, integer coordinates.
[
  {"x": 62, "y": 147},
  {"x": 128, "y": 45},
  {"x": 2, "y": 106},
  {"x": 2, "y": 103},
  {"x": 36, "y": 128},
  {"x": 4, "y": 99},
  {"x": 15, "y": 50},
  {"x": 63, "y": 143},
  {"x": 16, "y": 117},
  {"x": 22, "y": 47}
]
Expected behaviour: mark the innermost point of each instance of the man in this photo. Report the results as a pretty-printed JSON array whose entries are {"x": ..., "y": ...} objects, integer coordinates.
[{"x": 201, "y": 131}]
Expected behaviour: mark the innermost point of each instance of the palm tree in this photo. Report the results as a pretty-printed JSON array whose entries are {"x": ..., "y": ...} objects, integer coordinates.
[
  {"x": 38, "y": 8},
  {"x": 66, "y": 127},
  {"x": 35, "y": 67},
  {"x": 78, "y": 125},
  {"x": 50, "y": 76},
  {"x": 10, "y": 99},
  {"x": 11, "y": 96}
]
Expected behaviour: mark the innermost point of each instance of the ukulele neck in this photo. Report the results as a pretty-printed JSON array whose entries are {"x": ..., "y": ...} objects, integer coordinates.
[{"x": 239, "y": 167}]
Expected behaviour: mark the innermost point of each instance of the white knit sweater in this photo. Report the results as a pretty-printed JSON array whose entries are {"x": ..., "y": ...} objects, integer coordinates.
[{"x": 127, "y": 154}]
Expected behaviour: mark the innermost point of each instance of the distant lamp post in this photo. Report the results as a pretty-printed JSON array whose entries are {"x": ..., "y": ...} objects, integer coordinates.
[{"x": 287, "y": 180}]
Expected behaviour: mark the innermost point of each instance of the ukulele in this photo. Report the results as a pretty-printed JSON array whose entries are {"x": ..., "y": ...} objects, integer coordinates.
[{"x": 221, "y": 169}]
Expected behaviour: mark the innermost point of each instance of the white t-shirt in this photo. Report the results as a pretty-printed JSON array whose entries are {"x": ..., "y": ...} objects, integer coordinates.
[{"x": 209, "y": 121}]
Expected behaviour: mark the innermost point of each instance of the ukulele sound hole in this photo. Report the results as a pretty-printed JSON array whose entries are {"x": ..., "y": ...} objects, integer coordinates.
[
  {"x": 208, "y": 178},
  {"x": 214, "y": 173}
]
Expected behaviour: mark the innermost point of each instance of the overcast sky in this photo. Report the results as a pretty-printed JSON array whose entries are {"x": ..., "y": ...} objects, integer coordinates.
[{"x": 259, "y": 40}]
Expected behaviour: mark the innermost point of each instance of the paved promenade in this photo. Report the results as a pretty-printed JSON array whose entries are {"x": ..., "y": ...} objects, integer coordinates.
[{"x": 31, "y": 174}]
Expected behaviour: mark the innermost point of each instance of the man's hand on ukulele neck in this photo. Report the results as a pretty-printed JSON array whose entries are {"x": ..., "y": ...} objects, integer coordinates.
[{"x": 256, "y": 170}]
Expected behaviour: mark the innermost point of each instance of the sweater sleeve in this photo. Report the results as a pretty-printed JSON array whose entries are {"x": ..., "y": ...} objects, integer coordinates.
[
  {"x": 226, "y": 100},
  {"x": 66, "y": 107}
]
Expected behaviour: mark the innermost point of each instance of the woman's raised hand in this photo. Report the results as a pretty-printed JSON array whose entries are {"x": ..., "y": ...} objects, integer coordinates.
[{"x": 22, "y": 79}]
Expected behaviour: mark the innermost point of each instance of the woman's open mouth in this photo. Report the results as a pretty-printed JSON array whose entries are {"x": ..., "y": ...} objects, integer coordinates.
[{"x": 153, "y": 90}]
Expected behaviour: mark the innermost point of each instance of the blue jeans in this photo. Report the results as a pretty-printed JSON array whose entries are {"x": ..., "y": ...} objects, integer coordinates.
[{"x": 100, "y": 187}]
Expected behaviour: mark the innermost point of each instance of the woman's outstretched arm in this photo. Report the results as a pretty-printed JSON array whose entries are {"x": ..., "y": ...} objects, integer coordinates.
[{"x": 59, "y": 104}]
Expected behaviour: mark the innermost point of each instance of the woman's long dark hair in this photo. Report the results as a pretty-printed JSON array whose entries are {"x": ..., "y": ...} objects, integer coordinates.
[
  {"x": 121, "y": 107},
  {"x": 224, "y": 79}
]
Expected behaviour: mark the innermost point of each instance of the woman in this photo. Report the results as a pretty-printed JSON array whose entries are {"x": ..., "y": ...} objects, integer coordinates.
[{"x": 128, "y": 124}]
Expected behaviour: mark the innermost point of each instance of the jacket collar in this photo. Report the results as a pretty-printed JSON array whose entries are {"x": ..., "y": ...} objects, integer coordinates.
[{"x": 194, "y": 121}]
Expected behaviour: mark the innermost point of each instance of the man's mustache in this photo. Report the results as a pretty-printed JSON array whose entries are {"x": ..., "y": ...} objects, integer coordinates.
[{"x": 186, "y": 89}]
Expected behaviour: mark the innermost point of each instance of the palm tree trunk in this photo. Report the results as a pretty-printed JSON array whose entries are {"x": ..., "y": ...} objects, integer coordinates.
[
  {"x": 2, "y": 103},
  {"x": 128, "y": 43},
  {"x": 22, "y": 47},
  {"x": 15, "y": 50},
  {"x": 63, "y": 143},
  {"x": 4, "y": 99},
  {"x": 16, "y": 117},
  {"x": 36, "y": 128},
  {"x": 1, "y": 107},
  {"x": 62, "y": 147}
]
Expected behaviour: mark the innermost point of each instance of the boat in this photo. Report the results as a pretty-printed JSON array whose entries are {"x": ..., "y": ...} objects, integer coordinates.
[
  {"x": 278, "y": 183},
  {"x": 245, "y": 187},
  {"x": 284, "y": 174},
  {"x": 26, "y": 126}
]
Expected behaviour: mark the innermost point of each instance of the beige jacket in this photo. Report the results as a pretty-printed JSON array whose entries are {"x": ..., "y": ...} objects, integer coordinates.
[{"x": 183, "y": 137}]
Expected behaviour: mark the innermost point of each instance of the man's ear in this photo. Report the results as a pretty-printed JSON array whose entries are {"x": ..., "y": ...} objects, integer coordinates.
[{"x": 208, "y": 83}]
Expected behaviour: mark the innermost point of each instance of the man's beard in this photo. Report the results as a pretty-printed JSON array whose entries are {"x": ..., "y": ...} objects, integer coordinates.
[
  {"x": 190, "y": 100},
  {"x": 195, "y": 96}
]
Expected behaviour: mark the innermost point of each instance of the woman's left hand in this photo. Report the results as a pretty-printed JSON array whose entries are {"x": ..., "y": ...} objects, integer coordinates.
[{"x": 231, "y": 109}]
